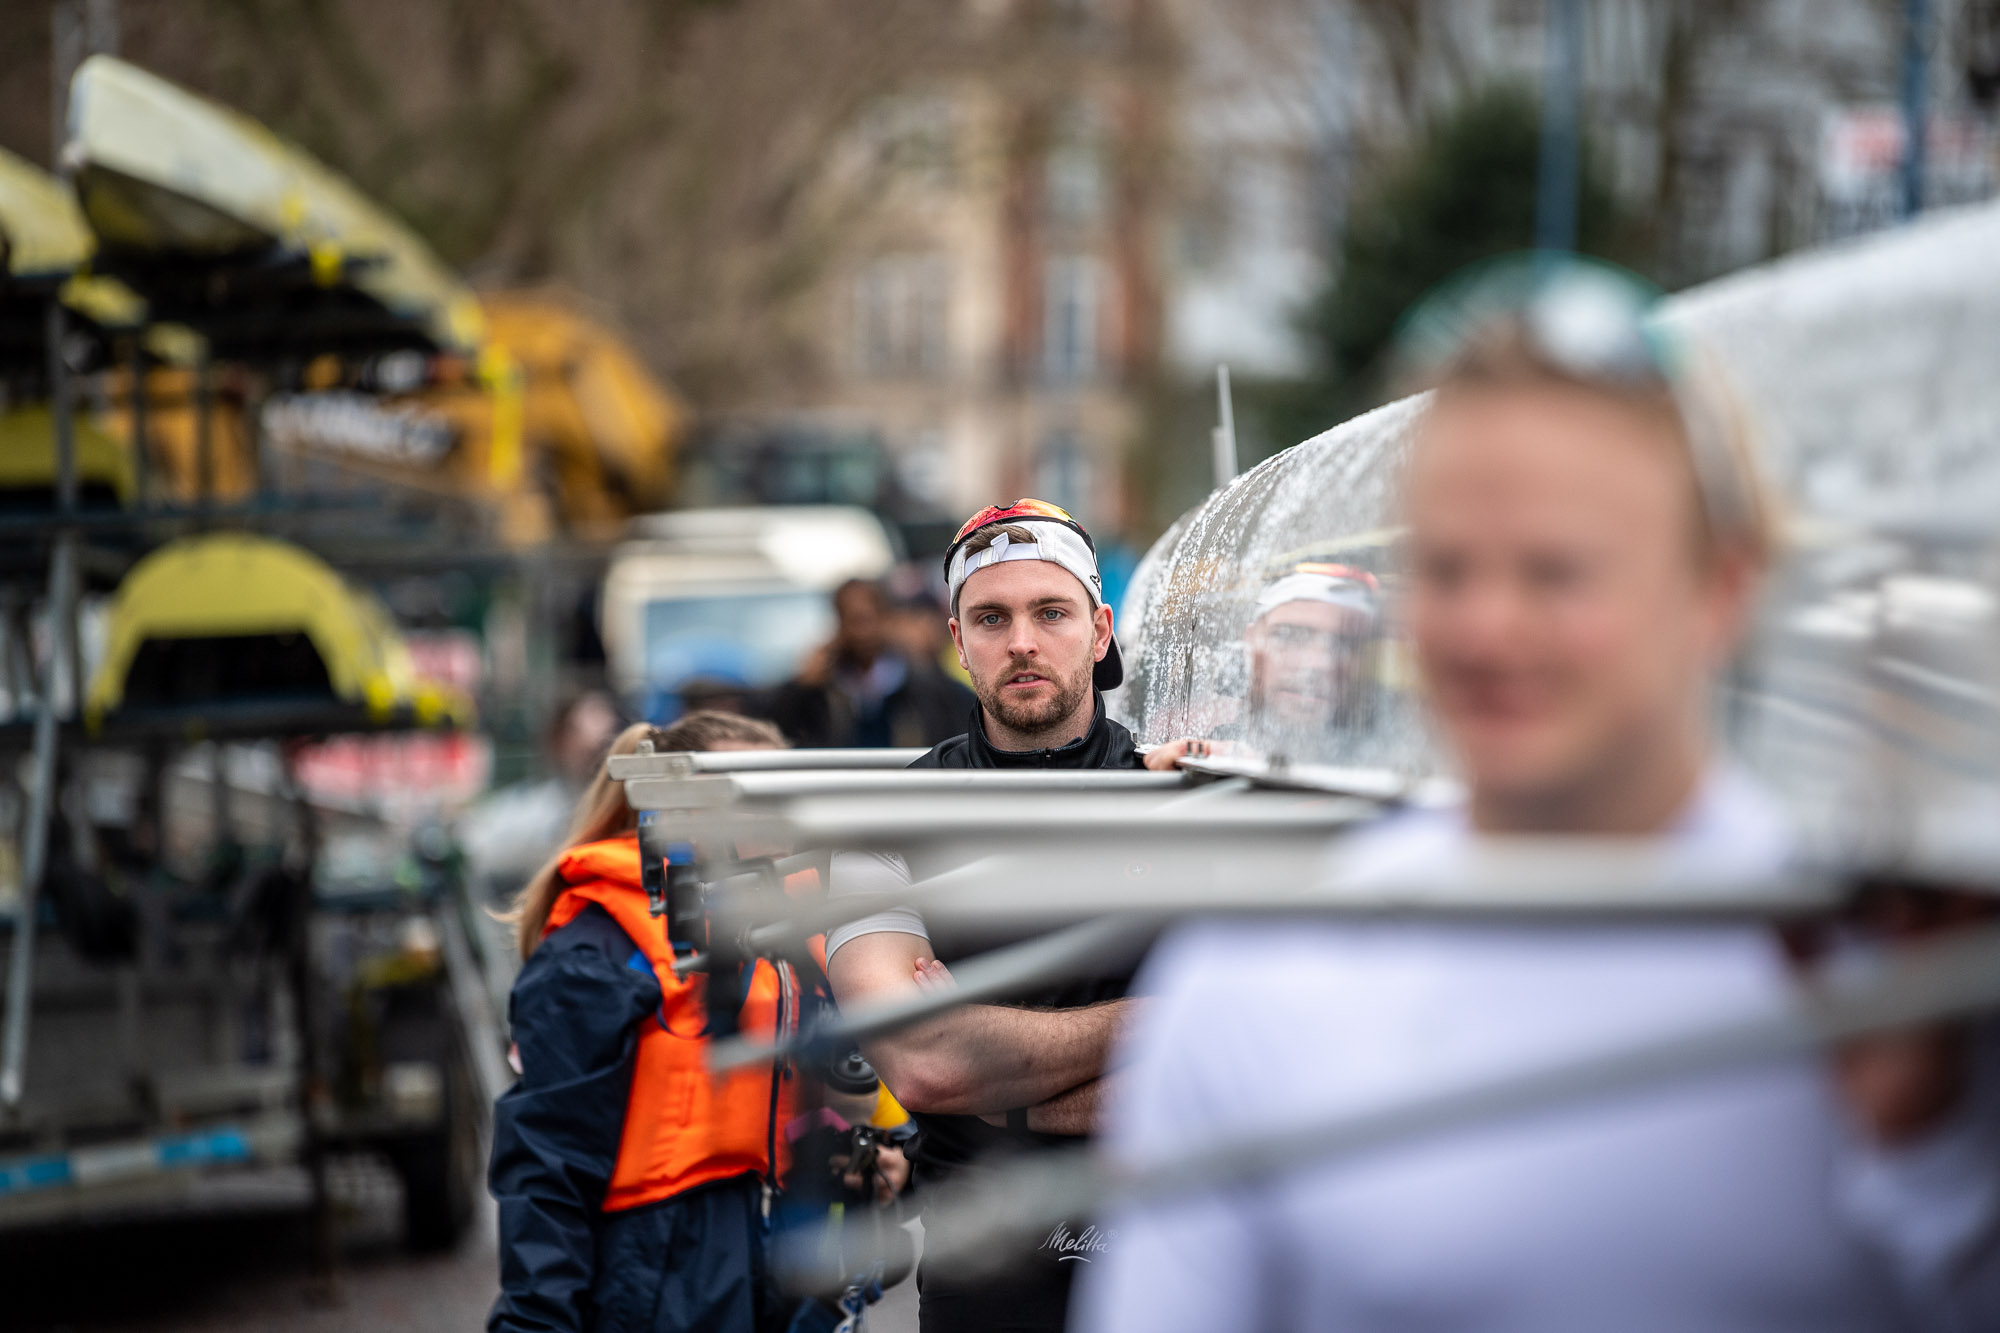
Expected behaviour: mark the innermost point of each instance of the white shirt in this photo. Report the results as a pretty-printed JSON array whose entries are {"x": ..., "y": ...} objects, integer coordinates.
[
  {"x": 857, "y": 873},
  {"x": 1737, "y": 1201}
]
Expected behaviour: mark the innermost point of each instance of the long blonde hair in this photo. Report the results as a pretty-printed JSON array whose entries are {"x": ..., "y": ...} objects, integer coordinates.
[{"x": 602, "y": 812}]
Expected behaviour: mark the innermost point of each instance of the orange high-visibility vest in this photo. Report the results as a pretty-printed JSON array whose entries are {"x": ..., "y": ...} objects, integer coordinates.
[{"x": 683, "y": 1125}]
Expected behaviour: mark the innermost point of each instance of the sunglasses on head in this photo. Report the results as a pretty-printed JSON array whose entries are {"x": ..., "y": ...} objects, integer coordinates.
[
  {"x": 1331, "y": 570},
  {"x": 1021, "y": 511},
  {"x": 1589, "y": 320}
]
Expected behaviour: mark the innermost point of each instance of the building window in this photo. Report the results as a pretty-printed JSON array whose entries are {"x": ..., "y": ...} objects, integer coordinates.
[
  {"x": 1062, "y": 471},
  {"x": 912, "y": 135},
  {"x": 1073, "y": 173},
  {"x": 1520, "y": 18},
  {"x": 1078, "y": 13},
  {"x": 1072, "y": 297},
  {"x": 923, "y": 470},
  {"x": 901, "y": 308},
  {"x": 1201, "y": 223}
]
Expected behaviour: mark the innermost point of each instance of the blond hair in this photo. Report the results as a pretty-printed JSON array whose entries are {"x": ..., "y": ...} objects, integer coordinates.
[
  {"x": 1734, "y": 510},
  {"x": 602, "y": 812}
]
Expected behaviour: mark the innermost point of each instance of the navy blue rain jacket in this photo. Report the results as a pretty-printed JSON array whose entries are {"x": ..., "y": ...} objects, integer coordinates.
[{"x": 694, "y": 1261}]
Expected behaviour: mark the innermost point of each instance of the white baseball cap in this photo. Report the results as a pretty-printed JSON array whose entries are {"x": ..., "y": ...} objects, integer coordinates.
[{"x": 1059, "y": 540}]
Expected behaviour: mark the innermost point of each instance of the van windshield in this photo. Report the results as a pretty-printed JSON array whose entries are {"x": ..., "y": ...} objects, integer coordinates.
[{"x": 749, "y": 638}]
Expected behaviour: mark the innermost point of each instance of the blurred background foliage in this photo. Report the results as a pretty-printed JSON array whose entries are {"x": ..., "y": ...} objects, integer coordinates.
[{"x": 1463, "y": 189}]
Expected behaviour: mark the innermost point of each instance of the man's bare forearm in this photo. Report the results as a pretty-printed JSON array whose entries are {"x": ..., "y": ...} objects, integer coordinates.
[
  {"x": 974, "y": 1060},
  {"x": 987, "y": 1058},
  {"x": 1072, "y": 1112}
]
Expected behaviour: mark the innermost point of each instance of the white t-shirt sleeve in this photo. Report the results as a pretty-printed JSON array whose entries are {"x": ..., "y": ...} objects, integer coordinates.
[{"x": 870, "y": 872}]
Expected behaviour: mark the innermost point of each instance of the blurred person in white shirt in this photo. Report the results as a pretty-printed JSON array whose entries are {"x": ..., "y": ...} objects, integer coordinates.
[{"x": 1586, "y": 538}]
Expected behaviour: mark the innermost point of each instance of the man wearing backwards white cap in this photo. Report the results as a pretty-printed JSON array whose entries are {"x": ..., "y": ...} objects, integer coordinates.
[
  {"x": 1031, "y": 626},
  {"x": 1307, "y": 643}
]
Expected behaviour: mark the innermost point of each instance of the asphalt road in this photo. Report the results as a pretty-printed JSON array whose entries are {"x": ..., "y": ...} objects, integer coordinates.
[{"x": 249, "y": 1270}]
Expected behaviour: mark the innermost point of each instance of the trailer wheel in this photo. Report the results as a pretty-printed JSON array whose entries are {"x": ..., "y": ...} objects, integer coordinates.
[{"x": 441, "y": 1172}]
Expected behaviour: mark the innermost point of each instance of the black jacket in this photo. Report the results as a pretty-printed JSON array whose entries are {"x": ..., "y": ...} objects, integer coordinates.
[
  {"x": 952, "y": 1141},
  {"x": 1106, "y": 745},
  {"x": 926, "y": 708},
  {"x": 1032, "y": 1289}
]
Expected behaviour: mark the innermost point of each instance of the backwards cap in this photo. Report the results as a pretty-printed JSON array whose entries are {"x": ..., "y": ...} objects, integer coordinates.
[
  {"x": 1322, "y": 581},
  {"x": 1059, "y": 540}
]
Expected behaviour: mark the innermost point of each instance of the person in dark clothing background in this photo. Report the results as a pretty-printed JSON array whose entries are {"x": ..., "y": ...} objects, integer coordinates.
[
  {"x": 859, "y": 689},
  {"x": 1032, "y": 628},
  {"x": 630, "y": 1183},
  {"x": 917, "y": 626}
]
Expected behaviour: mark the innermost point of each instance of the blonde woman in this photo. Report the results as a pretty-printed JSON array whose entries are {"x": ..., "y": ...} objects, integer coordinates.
[{"x": 628, "y": 1178}]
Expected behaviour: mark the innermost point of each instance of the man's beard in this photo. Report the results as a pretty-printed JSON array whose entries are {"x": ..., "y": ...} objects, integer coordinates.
[{"x": 1032, "y": 716}]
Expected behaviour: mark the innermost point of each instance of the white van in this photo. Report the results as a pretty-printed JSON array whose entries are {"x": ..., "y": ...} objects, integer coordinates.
[{"x": 737, "y": 595}]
